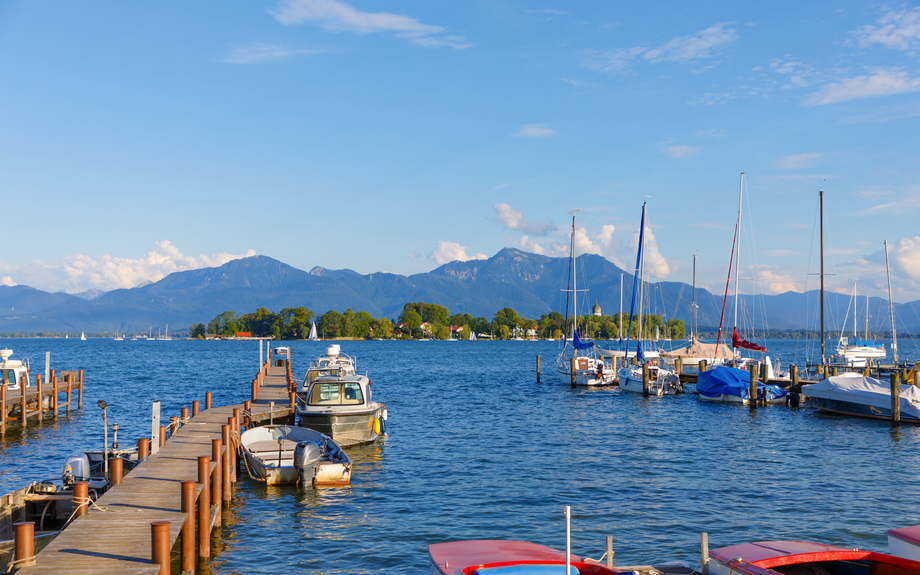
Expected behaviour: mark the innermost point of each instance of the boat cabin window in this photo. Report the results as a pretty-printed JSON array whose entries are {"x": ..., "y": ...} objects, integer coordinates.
[
  {"x": 314, "y": 373},
  {"x": 9, "y": 376},
  {"x": 335, "y": 393}
]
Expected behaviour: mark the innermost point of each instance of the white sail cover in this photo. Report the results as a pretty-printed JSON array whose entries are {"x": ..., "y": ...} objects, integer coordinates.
[
  {"x": 865, "y": 391},
  {"x": 701, "y": 350}
]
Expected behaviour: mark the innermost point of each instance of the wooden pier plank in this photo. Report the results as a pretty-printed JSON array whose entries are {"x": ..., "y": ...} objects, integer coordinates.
[{"x": 114, "y": 537}]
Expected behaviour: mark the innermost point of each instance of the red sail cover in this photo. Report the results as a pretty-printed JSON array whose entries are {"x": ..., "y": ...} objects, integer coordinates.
[{"x": 745, "y": 344}]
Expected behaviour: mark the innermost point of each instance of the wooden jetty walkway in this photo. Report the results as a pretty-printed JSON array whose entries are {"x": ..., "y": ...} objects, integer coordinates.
[
  {"x": 34, "y": 401},
  {"x": 135, "y": 524}
]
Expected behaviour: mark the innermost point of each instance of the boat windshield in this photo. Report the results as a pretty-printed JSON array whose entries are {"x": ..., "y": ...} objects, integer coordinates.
[
  {"x": 336, "y": 393},
  {"x": 314, "y": 373},
  {"x": 8, "y": 375}
]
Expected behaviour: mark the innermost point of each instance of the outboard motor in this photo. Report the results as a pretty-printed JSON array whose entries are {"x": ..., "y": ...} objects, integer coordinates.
[
  {"x": 306, "y": 456},
  {"x": 76, "y": 468}
]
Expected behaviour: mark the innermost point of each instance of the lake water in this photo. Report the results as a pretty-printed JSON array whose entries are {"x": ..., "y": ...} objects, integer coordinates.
[{"x": 477, "y": 449}]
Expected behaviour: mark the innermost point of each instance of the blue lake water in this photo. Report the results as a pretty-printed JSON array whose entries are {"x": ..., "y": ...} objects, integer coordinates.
[{"x": 477, "y": 449}]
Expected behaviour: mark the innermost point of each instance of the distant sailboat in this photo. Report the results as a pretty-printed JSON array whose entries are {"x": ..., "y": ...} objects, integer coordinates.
[
  {"x": 313, "y": 336},
  {"x": 472, "y": 335},
  {"x": 82, "y": 336}
]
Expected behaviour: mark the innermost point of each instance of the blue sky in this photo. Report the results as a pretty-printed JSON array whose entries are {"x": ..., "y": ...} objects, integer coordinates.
[{"x": 144, "y": 138}]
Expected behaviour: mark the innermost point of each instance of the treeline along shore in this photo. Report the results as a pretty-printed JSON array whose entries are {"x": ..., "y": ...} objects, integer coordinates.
[{"x": 419, "y": 320}]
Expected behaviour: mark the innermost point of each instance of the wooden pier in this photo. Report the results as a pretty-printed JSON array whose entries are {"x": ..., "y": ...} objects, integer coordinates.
[
  {"x": 35, "y": 401},
  {"x": 135, "y": 524}
]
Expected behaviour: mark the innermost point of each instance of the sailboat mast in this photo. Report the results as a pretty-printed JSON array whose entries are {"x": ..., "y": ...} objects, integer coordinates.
[
  {"x": 574, "y": 286},
  {"x": 854, "y": 312},
  {"x": 894, "y": 331},
  {"x": 620, "y": 317},
  {"x": 867, "y": 317},
  {"x": 632, "y": 305},
  {"x": 641, "y": 272},
  {"x": 821, "y": 219},
  {"x": 738, "y": 242},
  {"x": 693, "y": 304}
]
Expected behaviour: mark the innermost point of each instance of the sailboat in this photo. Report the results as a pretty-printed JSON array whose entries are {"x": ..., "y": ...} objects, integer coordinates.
[
  {"x": 82, "y": 336},
  {"x": 590, "y": 369},
  {"x": 738, "y": 342},
  {"x": 165, "y": 336},
  {"x": 472, "y": 334},
  {"x": 855, "y": 355},
  {"x": 313, "y": 336},
  {"x": 660, "y": 380}
]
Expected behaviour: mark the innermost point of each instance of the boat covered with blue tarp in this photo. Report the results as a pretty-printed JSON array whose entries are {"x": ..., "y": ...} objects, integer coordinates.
[{"x": 730, "y": 384}]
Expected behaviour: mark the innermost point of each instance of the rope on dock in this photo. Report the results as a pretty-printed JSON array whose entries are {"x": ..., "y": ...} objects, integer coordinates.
[{"x": 24, "y": 562}]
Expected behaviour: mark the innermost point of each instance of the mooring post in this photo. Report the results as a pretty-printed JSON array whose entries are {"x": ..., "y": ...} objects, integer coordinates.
[
  {"x": 69, "y": 382},
  {"x": 234, "y": 434},
  {"x": 54, "y": 401},
  {"x": 207, "y": 400},
  {"x": 24, "y": 553},
  {"x": 173, "y": 425},
  {"x": 116, "y": 465},
  {"x": 834, "y": 371},
  {"x": 162, "y": 435},
  {"x": 195, "y": 407},
  {"x": 573, "y": 371},
  {"x": 731, "y": 363},
  {"x": 247, "y": 406},
  {"x": 239, "y": 420},
  {"x": 187, "y": 545},
  {"x": 143, "y": 449},
  {"x": 80, "y": 498},
  {"x": 610, "y": 551},
  {"x": 704, "y": 544},
  {"x": 159, "y": 546},
  {"x": 895, "y": 401},
  {"x": 702, "y": 365},
  {"x": 25, "y": 412},
  {"x": 2, "y": 408},
  {"x": 645, "y": 391},
  {"x": 41, "y": 399},
  {"x": 255, "y": 389},
  {"x": 204, "y": 508},
  {"x": 795, "y": 390},
  {"x": 763, "y": 373},
  {"x": 217, "y": 476},
  {"x": 538, "y": 369},
  {"x": 80, "y": 392},
  {"x": 752, "y": 394},
  {"x": 184, "y": 416},
  {"x": 679, "y": 366},
  {"x": 225, "y": 462}
]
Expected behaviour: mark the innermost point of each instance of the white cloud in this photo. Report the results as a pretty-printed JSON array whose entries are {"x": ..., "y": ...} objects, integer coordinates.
[
  {"x": 78, "y": 273},
  {"x": 337, "y": 16},
  {"x": 681, "y": 152},
  {"x": 797, "y": 74},
  {"x": 529, "y": 245},
  {"x": 8, "y": 281},
  {"x": 655, "y": 263},
  {"x": 605, "y": 236},
  {"x": 905, "y": 255},
  {"x": 714, "y": 133},
  {"x": 534, "y": 131},
  {"x": 881, "y": 82},
  {"x": 895, "y": 30},
  {"x": 772, "y": 283},
  {"x": 447, "y": 252},
  {"x": 798, "y": 161},
  {"x": 258, "y": 53},
  {"x": 513, "y": 219}
]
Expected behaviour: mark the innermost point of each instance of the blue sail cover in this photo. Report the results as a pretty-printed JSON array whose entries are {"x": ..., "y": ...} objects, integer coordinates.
[
  {"x": 640, "y": 357},
  {"x": 733, "y": 381},
  {"x": 866, "y": 342},
  {"x": 578, "y": 344}
]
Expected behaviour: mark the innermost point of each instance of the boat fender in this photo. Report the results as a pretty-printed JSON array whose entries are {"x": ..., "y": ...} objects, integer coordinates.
[{"x": 377, "y": 426}]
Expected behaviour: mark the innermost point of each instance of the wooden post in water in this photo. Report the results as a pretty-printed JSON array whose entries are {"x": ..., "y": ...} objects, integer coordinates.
[
  {"x": 116, "y": 467},
  {"x": 196, "y": 405},
  {"x": 159, "y": 546},
  {"x": 538, "y": 369},
  {"x": 752, "y": 397},
  {"x": 80, "y": 392},
  {"x": 731, "y": 363},
  {"x": 69, "y": 392},
  {"x": 763, "y": 373},
  {"x": 834, "y": 371},
  {"x": 895, "y": 401},
  {"x": 143, "y": 449},
  {"x": 795, "y": 388},
  {"x": 225, "y": 463},
  {"x": 54, "y": 400},
  {"x": 702, "y": 365},
  {"x": 162, "y": 435},
  {"x": 80, "y": 498},
  {"x": 610, "y": 551},
  {"x": 184, "y": 418},
  {"x": 2, "y": 408},
  {"x": 41, "y": 399},
  {"x": 704, "y": 545},
  {"x": 174, "y": 425},
  {"x": 207, "y": 400},
  {"x": 233, "y": 434},
  {"x": 204, "y": 508},
  {"x": 574, "y": 372},
  {"x": 187, "y": 545},
  {"x": 25, "y": 412},
  {"x": 24, "y": 551},
  {"x": 255, "y": 389},
  {"x": 217, "y": 479},
  {"x": 644, "y": 380},
  {"x": 679, "y": 365}
]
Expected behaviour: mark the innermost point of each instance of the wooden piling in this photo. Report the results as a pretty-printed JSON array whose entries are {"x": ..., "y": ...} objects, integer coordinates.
[
  {"x": 41, "y": 402},
  {"x": 195, "y": 406},
  {"x": 116, "y": 467},
  {"x": 702, "y": 365},
  {"x": 69, "y": 381},
  {"x": 162, "y": 435},
  {"x": 55, "y": 399},
  {"x": 573, "y": 371},
  {"x": 80, "y": 498},
  {"x": 80, "y": 392},
  {"x": 207, "y": 400},
  {"x": 217, "y": 476},
  {"x": 143, "y": 449},
  {"x": 25, "y": 411},
  {"x": 204, "y": 508},
  {"x": 752, "y": 397},
  {"x": 895, "y": 401},
  {"x": 731, "y": 363},
  {"x": 2, "y": 408},
  {"x": 183, "y": 419},
  {"x": 609, "y": 554},
  {"x": 225, "y": 463},
  {"x": 704, "y": 545},
  {"x": 173, "y": 425},
  {"x": 795, "y": 389},
  {"x": 159, "y": 546},
  {"x": 645, "y": 380},
  {"x": 247, "y": 407},
  {"x": 538, "y": 369},
  {"x": 187, "y": 545},
  {"x": 834, "y": 371},
  {"x": 24, "y": 552},
  {"x": 679, "y": 365},
  {"x": 234, "y": 434}
]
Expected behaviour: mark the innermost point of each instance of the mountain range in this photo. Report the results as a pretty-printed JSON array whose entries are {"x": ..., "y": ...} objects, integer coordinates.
[{"x": 531, "y": 284}]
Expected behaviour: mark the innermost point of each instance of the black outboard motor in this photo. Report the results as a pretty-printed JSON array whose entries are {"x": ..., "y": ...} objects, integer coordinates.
[{"x": 306, "y": 457}]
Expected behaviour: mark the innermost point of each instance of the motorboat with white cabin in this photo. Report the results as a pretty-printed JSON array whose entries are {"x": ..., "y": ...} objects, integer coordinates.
[
  {"x": 279, "y": 454},
  {"x": 333, "y": 362},
  {"x": 13, "y": 372},
  {"x": 342, "y": 407}
]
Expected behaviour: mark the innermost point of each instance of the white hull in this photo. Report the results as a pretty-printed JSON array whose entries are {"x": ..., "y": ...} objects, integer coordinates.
[
  {"x": 276, "y": 465},
  {"x": 725, "y": 398},
  {"x": 902, "y": 548},
  {"x": 661, "y": 382},
  {"x": 586, "y": 372}
]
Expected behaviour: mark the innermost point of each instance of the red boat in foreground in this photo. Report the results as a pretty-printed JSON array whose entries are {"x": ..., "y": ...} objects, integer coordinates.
[
  {"x": 805, "y": 557},
  {"x": 495, "y": 557}
]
